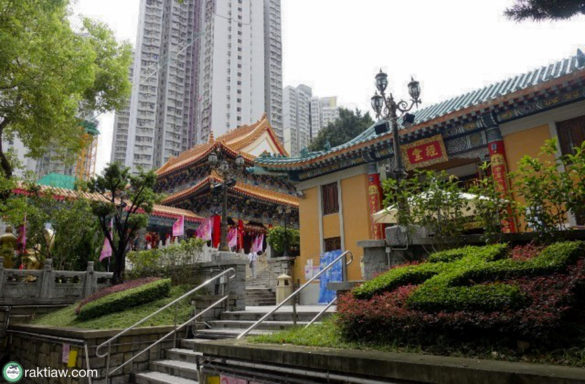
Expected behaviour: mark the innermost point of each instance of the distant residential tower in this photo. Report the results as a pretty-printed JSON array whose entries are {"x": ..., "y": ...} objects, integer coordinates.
[{"x": 200, "y": 66}]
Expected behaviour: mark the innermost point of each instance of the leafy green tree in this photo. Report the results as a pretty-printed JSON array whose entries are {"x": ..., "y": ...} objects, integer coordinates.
[
  {"x": 492, "y": 206},
  {"x": 346, "y": 127},
  {"x": 545, "y": 9},
  {"x": 127, "y": 201},
  {"x": 76, "y": 238},
  {"x": 429, "y": 199},
  {"x": 278, "y": 237},
  {"x": 50, "y": 76}
]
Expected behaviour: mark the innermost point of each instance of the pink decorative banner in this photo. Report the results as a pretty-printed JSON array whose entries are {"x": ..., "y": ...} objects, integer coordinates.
[
  {"x": 232, "y": 237},
  {"x": 204, "y": 230},
  {"x": 179, "y": 226},
  {"x": 232, "y": 380}
]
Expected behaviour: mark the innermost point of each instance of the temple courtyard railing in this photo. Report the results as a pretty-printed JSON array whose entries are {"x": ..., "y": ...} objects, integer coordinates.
[{"x": 49, "y": 286}]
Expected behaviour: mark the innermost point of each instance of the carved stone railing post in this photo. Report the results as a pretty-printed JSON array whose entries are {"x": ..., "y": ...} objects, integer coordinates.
[
  {"x": 47, "y": 285},
  {"x": 90, "y": 285}
]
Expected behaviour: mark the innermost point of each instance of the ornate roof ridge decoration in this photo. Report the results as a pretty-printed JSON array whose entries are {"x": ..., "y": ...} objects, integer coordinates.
[
  {"x": 70, "y": 194},
  {"x": 233, "y": 142},
  {"x": 505, "y": 92},
  {"x": 242, "y": 188}
]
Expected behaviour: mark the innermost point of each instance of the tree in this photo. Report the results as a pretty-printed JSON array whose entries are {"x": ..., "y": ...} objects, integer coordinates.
[
  {"x": 545, "y": 9},
  {"x": 76, "y": 237},
  {"x": 50, "y": 76},
  {"x": 127, "y": 201},
  {"x": 348, "y": 125}
]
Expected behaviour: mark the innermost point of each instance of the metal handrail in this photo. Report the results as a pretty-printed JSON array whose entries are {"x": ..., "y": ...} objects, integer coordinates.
[
  {"x": 169, "y": 334},
  {"x": 318, "y": 316},
  {"x": 109, "y": 341},
  {"x": 295, "y": 293}
]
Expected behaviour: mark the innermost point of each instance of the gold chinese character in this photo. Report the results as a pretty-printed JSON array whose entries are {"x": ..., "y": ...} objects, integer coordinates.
[
  {"x": 431, "y": 150},
  {"x": 417, "y": 153}
]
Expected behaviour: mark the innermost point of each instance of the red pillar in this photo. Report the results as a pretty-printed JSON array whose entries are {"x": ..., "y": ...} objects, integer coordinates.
[
  {"x": 216, "y": 232},
  {"x": 499, "y": 167},
  {"x": 375, "y": 199}
]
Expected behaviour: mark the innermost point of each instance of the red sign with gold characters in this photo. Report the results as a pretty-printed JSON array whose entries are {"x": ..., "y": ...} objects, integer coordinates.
[
  {"x": 375, "y": 203},
  {"x": 425, "y": 152},
  {"x": 500, "y": 176}
]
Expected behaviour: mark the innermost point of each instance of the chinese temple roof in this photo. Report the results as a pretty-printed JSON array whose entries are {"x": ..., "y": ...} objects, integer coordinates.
[
  {"x": 247, "y": 140},
  {"x": 547, "y": 79},
  {"x": 158, "y": 210},
  {"x": 58, "y": 180},
  {"x": 239, "y": 188}
]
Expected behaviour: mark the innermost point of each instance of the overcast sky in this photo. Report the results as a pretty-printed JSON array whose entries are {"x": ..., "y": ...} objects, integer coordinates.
[{"x": 337, "y": 46}]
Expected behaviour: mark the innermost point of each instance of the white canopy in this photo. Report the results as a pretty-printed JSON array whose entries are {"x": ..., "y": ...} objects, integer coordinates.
[{"x": 390, "y": 215}]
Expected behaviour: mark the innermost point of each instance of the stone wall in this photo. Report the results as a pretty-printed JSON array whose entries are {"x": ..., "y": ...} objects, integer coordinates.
[
  {"x": 235, "y": 287},
  {"x": 41, "y": 346},
  {"x": 278, "y": 266}
]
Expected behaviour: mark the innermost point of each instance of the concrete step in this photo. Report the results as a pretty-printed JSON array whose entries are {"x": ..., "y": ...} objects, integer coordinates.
[
  {"x": 278, "y": 316},
  {"x": 227, "y": 333},
  {"x": 154, "y": 377},
  {"x": 177, "y": 368},
  {"x": 265, "y": 325},
  {"x": 183, "y": 354},
  {"x": 190, "y": 343}
]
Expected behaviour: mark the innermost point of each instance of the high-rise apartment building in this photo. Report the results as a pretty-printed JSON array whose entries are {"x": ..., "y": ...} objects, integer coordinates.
[
  {"x": 200, "y": 66},
  {"x": 296, "y": 118},
  {"x": 324, "y": 110},
  {"x": 304, "y": 116},
  {"x": 273, "y": 65}
]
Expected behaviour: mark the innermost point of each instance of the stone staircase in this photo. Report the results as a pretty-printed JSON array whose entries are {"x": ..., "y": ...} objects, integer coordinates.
[
  {"x": 258, "y": 289},
  {"x": 232, "y": 323},
  {"x": 258, "y": 295},
  {"x": 179, "y": 365}
]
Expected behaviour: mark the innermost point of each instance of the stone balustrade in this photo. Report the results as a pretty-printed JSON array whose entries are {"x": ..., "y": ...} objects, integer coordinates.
[{"x": 49, "y": 286}]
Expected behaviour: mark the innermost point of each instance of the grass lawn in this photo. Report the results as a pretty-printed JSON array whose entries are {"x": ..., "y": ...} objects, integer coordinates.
[
  {"x": 66, "y": 317},
  {"x": 328, "y": 335}
]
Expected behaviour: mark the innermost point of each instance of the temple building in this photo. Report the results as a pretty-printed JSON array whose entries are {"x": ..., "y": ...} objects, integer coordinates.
[
  {"x": 499, "y": 123},
  {"x": 257, "y": 202}
]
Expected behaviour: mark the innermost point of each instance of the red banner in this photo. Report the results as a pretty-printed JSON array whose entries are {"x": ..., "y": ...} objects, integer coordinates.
[
  {"x": 375, "y": 203},
  {"x": 424, "y": 152},
  {"x": 500, "y": 176}
]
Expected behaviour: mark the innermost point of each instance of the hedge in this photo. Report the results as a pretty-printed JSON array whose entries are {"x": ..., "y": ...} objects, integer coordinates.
[
  {"x": 120, "y": 301},
  {"x": 113, "y": 289},
  {"x": 527, "y": 292},
  {"x": 438, "y": 264},
  {"x": 451, "y": 280}
]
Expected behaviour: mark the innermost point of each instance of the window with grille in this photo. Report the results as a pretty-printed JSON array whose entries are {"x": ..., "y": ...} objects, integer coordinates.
[
  {"x": 329, "y": 197},
  {"x": 571, "y": 134},
  {"x": 332, "y": 244}
]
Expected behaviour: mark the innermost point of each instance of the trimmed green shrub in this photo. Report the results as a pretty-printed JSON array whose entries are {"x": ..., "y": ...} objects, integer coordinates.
[
  {"x": 439, "y": 263},
  {"x": 120, "y": 301},
  {"x": 490, "y": 293},
  {"x": 452, "y": 280}
]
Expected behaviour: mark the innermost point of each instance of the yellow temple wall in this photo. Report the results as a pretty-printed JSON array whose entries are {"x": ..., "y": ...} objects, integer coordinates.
[
  {"x": 356, "y": 223},
  {"x": 353, "y": 216},
  {"x": 309, "y": 232}
]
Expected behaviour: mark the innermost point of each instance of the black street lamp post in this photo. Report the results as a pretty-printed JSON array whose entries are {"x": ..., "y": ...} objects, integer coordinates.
[
  {"x": 388, "y": 109},
  {"x": 229, "y": 174}
]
